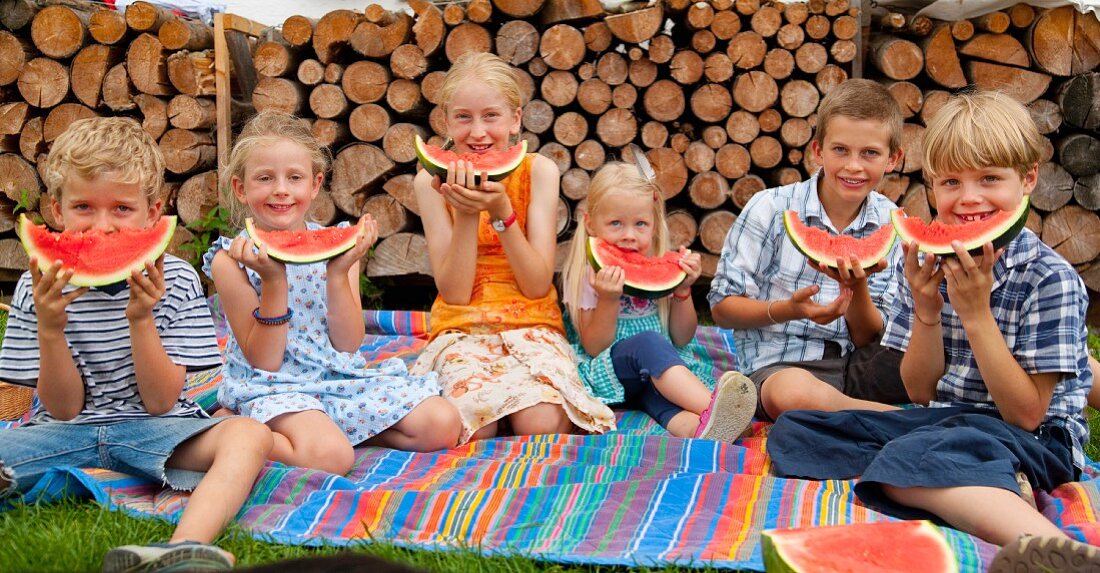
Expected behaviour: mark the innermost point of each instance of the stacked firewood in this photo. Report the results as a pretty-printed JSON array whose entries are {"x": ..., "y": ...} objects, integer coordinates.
[
  {"x": 64, "y": 61},
  {"x": 1046, "y": 59},
  {"x": 720, "y": 95}
]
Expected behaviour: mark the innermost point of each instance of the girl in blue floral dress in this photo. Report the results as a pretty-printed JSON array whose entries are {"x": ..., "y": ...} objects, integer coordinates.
[{"x": 292, "y": 360}]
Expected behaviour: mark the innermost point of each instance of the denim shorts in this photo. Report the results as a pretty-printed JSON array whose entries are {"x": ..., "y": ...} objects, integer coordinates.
[{"x": 136, "y": 447}]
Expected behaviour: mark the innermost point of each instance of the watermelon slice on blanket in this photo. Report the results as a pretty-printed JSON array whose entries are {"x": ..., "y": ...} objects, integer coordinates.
[
  {"x": 646, "y": 277},
  {"x": 936, "y": 238},
  {"x": 882, "y": 547},
  {"x": 824, "y": 247},
  {"x": 496, "y": 164},
  {"x": 96, "y": 258},
  {"x": 303, "y": 247}
]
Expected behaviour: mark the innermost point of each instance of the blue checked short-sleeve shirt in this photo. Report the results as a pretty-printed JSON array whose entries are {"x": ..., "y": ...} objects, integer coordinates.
[
  {"x": 759, "y": 262},
  {"x": 1039, "y": 303}
]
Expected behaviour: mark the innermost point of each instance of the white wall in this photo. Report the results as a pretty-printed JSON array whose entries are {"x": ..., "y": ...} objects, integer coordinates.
[{"x": 273, "y": 12}]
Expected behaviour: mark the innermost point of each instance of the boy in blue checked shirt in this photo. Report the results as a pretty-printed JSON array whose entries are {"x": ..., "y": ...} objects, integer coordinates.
[
  {"x": 994, "y": 345},
  {"x": 109, "y": 362},
  {"x": 800, "y": 353}
]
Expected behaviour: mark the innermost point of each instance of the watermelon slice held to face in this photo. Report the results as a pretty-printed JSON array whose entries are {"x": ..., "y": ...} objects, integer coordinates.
[
  {"x": 496, "y": 164},
  {"x": 304, "y": 246},
  {"x": 936, "y": 238},
  {"x": 824, "y": 247},
  {"x": 646, "y": 277},
  {"x": 883, "y": 547},
  {"x": 96, "y": 258}
]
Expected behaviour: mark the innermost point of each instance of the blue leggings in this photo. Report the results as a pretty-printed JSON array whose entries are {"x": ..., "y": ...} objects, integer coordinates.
[{"x": 636, "y": 360}]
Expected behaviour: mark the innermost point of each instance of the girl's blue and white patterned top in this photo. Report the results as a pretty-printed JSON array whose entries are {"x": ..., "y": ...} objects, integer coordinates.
[{"x": 315, "y": 376}]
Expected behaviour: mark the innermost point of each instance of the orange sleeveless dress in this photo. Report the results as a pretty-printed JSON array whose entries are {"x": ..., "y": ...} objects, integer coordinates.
[{"x": 505, "y": 352}]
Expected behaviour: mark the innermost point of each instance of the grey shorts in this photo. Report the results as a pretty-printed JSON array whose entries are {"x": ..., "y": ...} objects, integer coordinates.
[
  {"x": 871, "y": 372},
  {"x": 137, "y": 447}
]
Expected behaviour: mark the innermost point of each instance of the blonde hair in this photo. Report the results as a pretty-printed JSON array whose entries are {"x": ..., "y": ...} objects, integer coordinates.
[
  {"x": 981, "y": 129},
  {"x": 266, "y": 128},
  {"x": 615, "y": 177},
  {"x": 860, "y": 99},
  {"x": 98, "y": 146},
  {"x": 486, "y": 68}
]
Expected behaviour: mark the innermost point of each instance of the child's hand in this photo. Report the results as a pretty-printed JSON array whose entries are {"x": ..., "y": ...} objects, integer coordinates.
[
  {"x": 49, "y": 302},
  {"x": 805, "y": 307},
  {"x": 850, "y": 273},
  {"x": 924, "y": 281},
  {"x": 463, "y": 193},
  {"x": 339, "y": 265},
  {"x": 609, "y": 282},
  {"x": 243, "y": 250},
  {"x": 692, "y": 264},
  {"x": 969, "y": 283},
  {"x": 145, "y": 289}
]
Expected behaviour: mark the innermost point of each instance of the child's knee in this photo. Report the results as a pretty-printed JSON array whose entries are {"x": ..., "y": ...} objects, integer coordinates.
[
  {"x": 332, "y": 457},
  {"x": 248, "y": 433},
  {"x": 790, "y": 389},
  {"x": 435, "y": 424},
  {"x": 541, "y": 419}
]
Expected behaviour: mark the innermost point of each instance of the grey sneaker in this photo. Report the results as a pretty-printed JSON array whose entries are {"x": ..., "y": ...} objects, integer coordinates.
[
  {"x": 1034, "y": 554},
  {"x": 731, "y": 408},
  {"x": 167, "y": 557}
]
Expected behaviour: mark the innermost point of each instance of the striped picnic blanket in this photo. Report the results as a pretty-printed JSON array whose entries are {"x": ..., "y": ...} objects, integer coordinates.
[{"x": 633, "y": 497}]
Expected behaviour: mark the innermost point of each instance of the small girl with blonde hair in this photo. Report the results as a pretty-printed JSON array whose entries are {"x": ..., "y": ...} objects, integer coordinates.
[
  {"x": 498, "y": 342},
  {"x": 636, "y": 350},
  {"x": 292, "y": 361}
]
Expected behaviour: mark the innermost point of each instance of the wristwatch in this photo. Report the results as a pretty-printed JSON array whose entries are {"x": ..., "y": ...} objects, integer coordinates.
[{"x": 499, "y": 225}]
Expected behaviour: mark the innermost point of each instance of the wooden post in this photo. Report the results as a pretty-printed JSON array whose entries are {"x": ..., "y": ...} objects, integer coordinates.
[{"x": 225, "y": 24}]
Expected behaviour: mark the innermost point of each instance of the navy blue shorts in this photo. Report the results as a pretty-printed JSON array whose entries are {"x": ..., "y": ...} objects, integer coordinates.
[
  {"x": 636, "y": 360},
  {"x": 919, "y": 447}
]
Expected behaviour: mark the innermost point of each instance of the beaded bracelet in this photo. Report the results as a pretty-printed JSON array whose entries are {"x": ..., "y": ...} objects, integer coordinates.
[{"x": 272, "y": 320}]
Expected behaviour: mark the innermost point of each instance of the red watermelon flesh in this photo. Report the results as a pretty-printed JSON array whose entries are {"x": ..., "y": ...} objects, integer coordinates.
[
  {"x": 883, "y": 547},
  {"x": 646, "y": 277},
  {"x": 824, "y": 247},
  {"x": 936, "y": 238},
  {"x": 96, "y": 258},
  {"x": 304, "y": 246},
  {"x": 496, "y": 164}
]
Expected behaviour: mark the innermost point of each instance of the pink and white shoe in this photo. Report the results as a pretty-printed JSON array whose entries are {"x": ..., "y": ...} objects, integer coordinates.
[{"x": 732, "y": 405}]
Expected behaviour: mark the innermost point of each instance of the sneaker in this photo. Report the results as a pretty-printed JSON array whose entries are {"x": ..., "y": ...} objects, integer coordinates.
[
  {"x": 177, "y": 557},
  {"x": 1034, "y": 554},
  {"x": 730, "y": 411},
  {"x": 1025, "y": 489},
  {"x": 7, "y": 478}
]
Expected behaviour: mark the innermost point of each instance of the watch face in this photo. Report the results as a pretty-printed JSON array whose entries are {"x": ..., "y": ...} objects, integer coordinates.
[{"x": 498, "y": 225}]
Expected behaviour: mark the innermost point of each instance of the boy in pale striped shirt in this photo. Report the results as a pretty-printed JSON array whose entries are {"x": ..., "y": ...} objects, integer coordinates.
[{"x": 109, "y": 362}]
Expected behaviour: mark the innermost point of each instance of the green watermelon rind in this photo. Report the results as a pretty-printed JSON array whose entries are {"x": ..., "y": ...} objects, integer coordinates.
[
  {"x": 633, "y": 286},
  {"x": 790, "y": 223},
  {"x": 436, "y": 167},
  {"x": 999, "y": 236},
  {"x": 258, "y": 238},
  {"x": 80, "y": 278},
  {"x": 777, "y": 561}
]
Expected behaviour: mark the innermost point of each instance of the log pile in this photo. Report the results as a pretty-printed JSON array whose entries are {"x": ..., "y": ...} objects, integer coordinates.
[
  {"x": 1046, "y": 59},
  {"x": 64, "y": 61},
  {"x": 720, "y": 95}
]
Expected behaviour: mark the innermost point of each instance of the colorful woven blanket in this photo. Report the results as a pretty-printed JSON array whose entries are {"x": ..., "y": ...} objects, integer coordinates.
[{"x": 633, "y": 497}]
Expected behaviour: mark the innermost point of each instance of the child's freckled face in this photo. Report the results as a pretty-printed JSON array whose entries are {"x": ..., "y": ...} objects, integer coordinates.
[
  {"x": 974, "y": 194},
  {"x": 103, "y": 204},
  {"x": 480, "y": 119}
]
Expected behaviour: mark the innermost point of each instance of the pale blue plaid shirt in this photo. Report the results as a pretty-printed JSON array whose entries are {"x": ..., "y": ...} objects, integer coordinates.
[
  {"x": 1039, "y": 303},
  {"x": 759, "y": 262}
]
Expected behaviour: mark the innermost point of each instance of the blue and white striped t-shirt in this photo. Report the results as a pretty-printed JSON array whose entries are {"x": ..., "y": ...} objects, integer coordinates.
[
  {"x": 99, "y": 337},
  {"x": 759, "y": 262}
]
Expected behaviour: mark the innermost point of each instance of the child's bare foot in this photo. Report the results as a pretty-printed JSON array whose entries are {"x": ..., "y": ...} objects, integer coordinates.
[{"x": 731, "y": 408}]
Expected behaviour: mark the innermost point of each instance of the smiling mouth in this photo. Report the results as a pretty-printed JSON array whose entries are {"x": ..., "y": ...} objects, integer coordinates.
[
  {"x": 971, "y": 217},
  {"x": 480, "y": 148},
  {"x": 275, "y": 207},
  {"x": 852, "y": 182}
]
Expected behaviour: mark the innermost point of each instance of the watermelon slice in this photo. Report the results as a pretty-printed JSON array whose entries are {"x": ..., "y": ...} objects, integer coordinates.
[
  {"x": 883, "y": 547},
  {"x": 497, "y": 164},
  {"x": 936, "y": 238},
  {"x": 304, "y": 246},
  {"x": 97, "y": 258},
  {"x": 824, "y": 247},
  {"x": 646, "y": 277}
]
